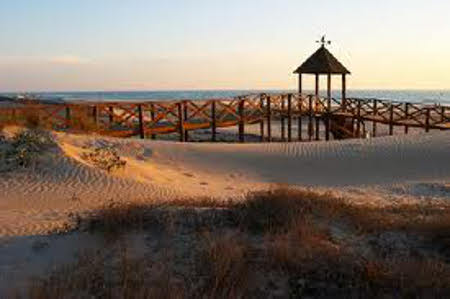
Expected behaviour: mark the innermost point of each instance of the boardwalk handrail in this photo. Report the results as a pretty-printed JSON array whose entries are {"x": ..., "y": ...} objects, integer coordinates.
[{"x": 151, "y": 118}]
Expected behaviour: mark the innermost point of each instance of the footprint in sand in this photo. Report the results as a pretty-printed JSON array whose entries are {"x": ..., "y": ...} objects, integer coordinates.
[
  {"x": 203, "y": 183},
  {"x": 190, "y": 175}
]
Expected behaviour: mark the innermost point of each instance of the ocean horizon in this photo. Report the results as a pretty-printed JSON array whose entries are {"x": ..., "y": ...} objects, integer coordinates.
[{"x": 415, "y": 96}]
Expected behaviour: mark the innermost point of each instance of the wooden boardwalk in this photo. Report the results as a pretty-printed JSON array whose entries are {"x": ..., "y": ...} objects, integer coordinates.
[{"x": 340, "y": 119}]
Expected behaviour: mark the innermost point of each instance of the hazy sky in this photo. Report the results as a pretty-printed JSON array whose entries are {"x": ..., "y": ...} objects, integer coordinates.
[{"x": 211, "y": 44}]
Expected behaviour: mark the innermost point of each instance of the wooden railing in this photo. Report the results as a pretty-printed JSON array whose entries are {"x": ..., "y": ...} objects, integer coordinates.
[{"x": 152, "y": 118}]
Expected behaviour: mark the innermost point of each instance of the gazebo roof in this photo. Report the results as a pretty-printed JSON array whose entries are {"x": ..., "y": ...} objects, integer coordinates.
[{"x": 322, "y": 62}]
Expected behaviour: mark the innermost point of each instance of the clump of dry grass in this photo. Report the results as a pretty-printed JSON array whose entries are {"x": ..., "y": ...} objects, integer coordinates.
[
  {"x": 225, "y": 258},
  {"x": 282, "y": 231},
  {"x": 104, "y": 157}
]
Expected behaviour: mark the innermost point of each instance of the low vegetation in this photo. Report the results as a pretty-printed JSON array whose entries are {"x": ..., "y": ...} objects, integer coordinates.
[
  {"x": 283, "y": 243},
  {"x": 23, "y": 149},
  {"x": 104, "y": 157}
]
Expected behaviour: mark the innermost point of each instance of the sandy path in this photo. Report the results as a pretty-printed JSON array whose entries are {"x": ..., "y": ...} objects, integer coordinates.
[{"x": 35, "y": 201}]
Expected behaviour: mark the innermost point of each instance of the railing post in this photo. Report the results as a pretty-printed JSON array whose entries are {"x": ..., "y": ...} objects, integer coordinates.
[
  {"x": 95, "y": 114},
  {"x": 310, "y": 119},
  {"x": 283, "y": 129},
  {"x": 185, "y": 118},
  {"x": 261, "y": 123},
  {"x": 241, "y": 119},
  {"x": 391, "y": 119},
  {"x": 180, "y": 121},
  {"x": 406, "y": 117},
  {"x": 141, "y": 122},
  {"x": 111, "y": 115},
  {"x": 213, "y": 118},
  {"x": 289, "y": 103},
  {"x": 316, "y": 111},
  {"x": 152, "y": 119},
  {"x": 68, "y": 117},
  {"x": 269, "y": 116},
  {"x": 299, "y": 119},
  {"x": 374, "y": 123},
  {"x": 427, "y": 119},
  {"x": 358, "y": 121}
]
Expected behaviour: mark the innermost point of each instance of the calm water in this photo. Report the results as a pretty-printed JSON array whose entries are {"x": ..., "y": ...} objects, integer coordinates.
[{"x": 417, "y": 96}]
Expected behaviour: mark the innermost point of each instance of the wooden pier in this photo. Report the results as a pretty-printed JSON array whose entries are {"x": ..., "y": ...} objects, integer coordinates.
[{"x": 352, "y": 118}]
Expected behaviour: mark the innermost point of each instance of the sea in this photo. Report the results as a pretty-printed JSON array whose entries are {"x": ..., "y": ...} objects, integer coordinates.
[{"x": 414, "y": 96}]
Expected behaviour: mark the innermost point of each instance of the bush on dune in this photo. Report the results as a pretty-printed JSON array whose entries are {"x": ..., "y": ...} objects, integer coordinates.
[
  {"x": 24, "y": 147},
  {"x": 104, "y": 157}
]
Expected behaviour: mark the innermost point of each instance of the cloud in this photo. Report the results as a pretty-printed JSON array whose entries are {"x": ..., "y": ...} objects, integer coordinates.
[{"x": 68, "y": 60}]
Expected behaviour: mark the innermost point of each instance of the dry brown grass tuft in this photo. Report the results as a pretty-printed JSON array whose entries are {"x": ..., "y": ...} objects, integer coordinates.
[{"x": 225, "y": 258}]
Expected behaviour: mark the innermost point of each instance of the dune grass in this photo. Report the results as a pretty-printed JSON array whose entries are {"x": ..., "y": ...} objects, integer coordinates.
[{"x": 281, "y": 242}]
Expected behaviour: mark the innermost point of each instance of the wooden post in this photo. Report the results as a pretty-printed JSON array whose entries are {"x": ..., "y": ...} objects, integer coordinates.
[
  {"x": 427, "y": 119},
  {"x": 283, "y": 129},
  {"x": 358, "y": 120},
  {"x": 261, "y": 123},
  {"x": 111, "y": 115},
  {"x": 391, "y": 119},
  {"x": 269, "y": 116},
  {"x": 300, "y": 83},
  {"x": 180, "y": 121},
  {"x": 95, "y": 114},
  {"x": 310, "y": 118},
  {"x": 289, "y": 112},
  {"x": 241, "y": 120},
  {"x": 374, "y": 123},
  {"x": 406, "y": 117},
  {"x": 68, "y": 117},
  {"x": 328, "y": 112},
  {"x": 213, "y": 118},
  {"x": 344, "y": 91},
  {"x": 299, "y": 120},
  {"x": 185, "y": 118},
  {"x": 141, "y": 122},
  {"x": 152, "y": 118},
  {"x": 316, "y": 106}
]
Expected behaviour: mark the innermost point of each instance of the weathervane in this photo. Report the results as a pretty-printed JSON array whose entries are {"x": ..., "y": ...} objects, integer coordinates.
[{"x": 323, "y": 41}]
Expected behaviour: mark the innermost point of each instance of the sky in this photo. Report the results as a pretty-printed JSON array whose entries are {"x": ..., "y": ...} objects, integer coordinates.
[{"x": 105, "y": 45}]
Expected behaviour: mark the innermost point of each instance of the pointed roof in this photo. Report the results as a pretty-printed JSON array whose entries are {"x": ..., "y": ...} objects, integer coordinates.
[{"x": 322, "y": 62}]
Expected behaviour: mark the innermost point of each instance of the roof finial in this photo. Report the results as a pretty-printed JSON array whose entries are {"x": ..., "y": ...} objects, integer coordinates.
[{"x": 323, "y": 41}]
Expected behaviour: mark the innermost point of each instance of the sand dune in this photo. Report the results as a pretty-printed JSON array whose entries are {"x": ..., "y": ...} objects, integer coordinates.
[{"x": 40, "y": 199}]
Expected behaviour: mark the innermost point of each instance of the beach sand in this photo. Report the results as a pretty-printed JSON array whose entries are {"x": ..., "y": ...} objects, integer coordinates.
[{"x": 38, "y": 201}]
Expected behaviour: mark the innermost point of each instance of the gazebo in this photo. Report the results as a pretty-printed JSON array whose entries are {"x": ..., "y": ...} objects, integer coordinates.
[{"x": 322, "y": 62}]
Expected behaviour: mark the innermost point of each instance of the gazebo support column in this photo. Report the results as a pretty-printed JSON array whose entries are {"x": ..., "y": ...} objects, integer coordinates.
[
  {"x": 316, "y": 108},
  {"x": 344, "y": 93},
  {"x": 328, "y": 112}
]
